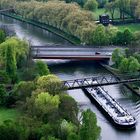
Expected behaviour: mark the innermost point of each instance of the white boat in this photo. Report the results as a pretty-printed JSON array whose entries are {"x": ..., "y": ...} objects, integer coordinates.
[{"x": 110, "y": 107}]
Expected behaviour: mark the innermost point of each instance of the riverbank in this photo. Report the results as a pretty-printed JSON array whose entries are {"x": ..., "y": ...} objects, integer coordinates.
[
  {"x": 72, "y": 39},
  {"x": 114, "y": 72}
]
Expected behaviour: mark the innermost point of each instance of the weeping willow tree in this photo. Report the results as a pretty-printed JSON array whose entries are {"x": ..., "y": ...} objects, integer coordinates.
[{"x": 10, "y": 64}]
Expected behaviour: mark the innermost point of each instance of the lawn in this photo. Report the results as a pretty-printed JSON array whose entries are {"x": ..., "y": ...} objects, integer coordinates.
[
  {"x": 132, "y": 27},
  {"x": 8, "y": 114},
  {"x": 101, "y": 11}
]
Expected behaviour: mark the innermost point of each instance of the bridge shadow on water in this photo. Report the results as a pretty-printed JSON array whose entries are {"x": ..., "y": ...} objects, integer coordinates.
[{"x": 87, "y": 67}]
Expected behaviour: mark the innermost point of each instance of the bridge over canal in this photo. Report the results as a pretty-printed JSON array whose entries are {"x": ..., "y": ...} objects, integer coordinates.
[
  {"x": 71, "y": 52},
  {"x": 96, "y": 81}
]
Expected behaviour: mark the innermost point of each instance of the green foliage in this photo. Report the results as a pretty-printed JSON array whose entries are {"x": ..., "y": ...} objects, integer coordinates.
[
  {"x": 68, "y": 108},
  {"x": 128, "y": 52},
  {"x": 70, "y": 22},
  {"x": 134, "y": 65},
  {"x": 10, "y": 67},
  {"x": 124, "y": 65},
  {"x": 99, "y": 36},
  {"x": 66, "y": 128},
  {"x": 137, "y": 56},
  {"x": 28, "y": 74},
  {"x": 52, "y": 138},
  {"x": 30, "y": 128},
  {"x": 45, "y": 102},
  {"x": 41, "y": 68},
  {"x": 136, "y": 41},
  {"x": 111, "y": 32},
  {"x": 128, "y": 36},
  {"x": 2, "y": 36},
  {"x": 101, "y": 3},
  {"x": 117, "y": 56},
  {"x": 126, "y": 62},
  {"x": 50, "y": 83},
  {"x": 3, "y": 95},
  {"x": 23, "y": 90},
  {"x": 91, "y": 5},
  {"x": 43, "y": 106},
  {"x": 4, "y": 79},
  {"x": 46, "y": 130},
  {"x": 72, "y": 136},
  {"x": 19, "y": 50},
  {"x": 89, "y": 129},
  {"x": 9, "y": 131},
  {"x": 111, "y": 7},
  {"x": 8, "y": 114}
]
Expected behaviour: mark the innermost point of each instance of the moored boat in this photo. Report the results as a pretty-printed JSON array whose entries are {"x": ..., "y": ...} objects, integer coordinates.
[{"x": 110, "y": 107}]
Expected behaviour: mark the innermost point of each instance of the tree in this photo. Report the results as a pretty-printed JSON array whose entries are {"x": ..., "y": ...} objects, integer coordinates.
[
  {"x": 119, "y": 38},
  {"x": 137, "y": 56},
  {"x": 133, "y": 7},
  {"x": 89, "y": 129},
  {"x": 123, "y": 67},
  {"x": 52, "y": 138},
  {"x": 9, "y": 131},
  {"x": 66, "y": 128},
  {"x": 99, "y": 36},
  {"x": 72, "y": 136},
  {"x": 91, "y": 5},
  {"x": 101, "y": 3},
  {"x": 41, "y": 68},
  {"x": 68, "y": 108},
  {"x": 128, "y": 37},
  {"x": 43, "y": 106},
  {"x": 134, "y": 45},
  {"x": 45, "y": 102},
  {"x": 11, "y": 64},
  {"x": 124, "y": 7},
  {"x": 117, "y": 56},
  {"x": 23, "y": 90},
  {"x": 19, "y": 49},
  {"x": 50, "y": 83},
  {"x": 30, "y": 128},
  {"x": 111, "y": 32},
  {"x": 137, "y": 12},
  {"x": 4, "y": 79},
  {"x": 111, "y": 7},
  {"x": 2, "y": 36},
  {"x": 128, "y": 53},
  {"x": 134, "y": 65},
  {"x": 3, "y": 95}
]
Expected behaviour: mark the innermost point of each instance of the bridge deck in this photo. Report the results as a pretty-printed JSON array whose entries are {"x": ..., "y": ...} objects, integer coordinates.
[{"x": 77, "y": 52}]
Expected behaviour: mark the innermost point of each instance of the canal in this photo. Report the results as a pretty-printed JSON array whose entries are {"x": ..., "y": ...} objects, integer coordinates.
[{"x": 70, "y": 70}]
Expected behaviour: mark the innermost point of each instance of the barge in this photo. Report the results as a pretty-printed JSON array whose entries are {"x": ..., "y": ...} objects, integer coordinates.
[{"x": 111, "y": 108}]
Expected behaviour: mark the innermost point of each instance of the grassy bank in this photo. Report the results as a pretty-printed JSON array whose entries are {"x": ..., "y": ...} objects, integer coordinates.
[
  {"x": 8, "y": 114},
  {"x": 132, "y": 87},
  {"x": 133, "y": 27},
  {"x": 70, "y": 38}
]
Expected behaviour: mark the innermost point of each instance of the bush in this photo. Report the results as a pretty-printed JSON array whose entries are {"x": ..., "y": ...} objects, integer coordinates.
[
  {"x": 91, "y": 5},
  {"x": 50, "y": 83},
  {"x": 41, "y": 68},
  {"x": 4, "y": 79},
  {"x": 9, "y": 131},
  {"x": 2, "y": 95}
]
